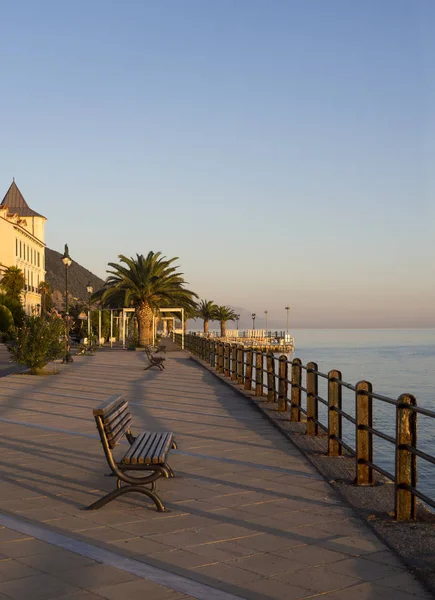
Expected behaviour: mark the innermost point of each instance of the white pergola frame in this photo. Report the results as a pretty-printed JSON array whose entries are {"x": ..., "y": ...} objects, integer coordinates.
[{"x": 180, "y": 310}]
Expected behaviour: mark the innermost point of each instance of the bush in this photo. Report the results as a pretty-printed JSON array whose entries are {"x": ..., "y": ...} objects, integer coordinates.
[
  {"x": 6, "y": 319},
  {"x": 15, "y": 307},
  {"x": 39, "y": 341}
]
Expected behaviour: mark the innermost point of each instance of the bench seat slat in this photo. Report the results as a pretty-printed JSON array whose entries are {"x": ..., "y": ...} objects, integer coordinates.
[
  {"x": 149, "y": 448},
  {"x": 111, "y": 425}
]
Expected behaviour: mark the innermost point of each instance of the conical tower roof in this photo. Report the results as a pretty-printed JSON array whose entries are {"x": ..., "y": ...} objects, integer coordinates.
[{"x": 15, "y": 202}]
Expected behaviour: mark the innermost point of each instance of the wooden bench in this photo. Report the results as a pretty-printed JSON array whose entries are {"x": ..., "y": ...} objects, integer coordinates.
[
  {"x": 155, "y": 361},
  {"x": 147, "y": 452}
]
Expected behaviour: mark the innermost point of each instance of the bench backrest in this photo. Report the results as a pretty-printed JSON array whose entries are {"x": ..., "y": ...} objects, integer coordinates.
[{"x": 114, "y": 418}]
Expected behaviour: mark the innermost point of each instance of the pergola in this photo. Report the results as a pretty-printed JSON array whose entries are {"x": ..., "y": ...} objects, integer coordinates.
[{"x": 178, "y": 310}]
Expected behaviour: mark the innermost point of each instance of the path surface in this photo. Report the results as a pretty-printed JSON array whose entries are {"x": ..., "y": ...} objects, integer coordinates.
[{"x": 248, "y": 517}]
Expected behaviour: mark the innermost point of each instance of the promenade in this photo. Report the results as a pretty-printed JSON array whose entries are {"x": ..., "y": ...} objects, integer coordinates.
[{"x": 247, "y": 515}]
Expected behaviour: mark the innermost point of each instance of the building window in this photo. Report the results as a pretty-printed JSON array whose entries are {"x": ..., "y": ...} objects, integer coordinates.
[
  {"x": 38, "y": 260},
  {"x": 28, "y": 254},
  {"x": 16, "y": 246},
  {"x": 20, "y": 248}
]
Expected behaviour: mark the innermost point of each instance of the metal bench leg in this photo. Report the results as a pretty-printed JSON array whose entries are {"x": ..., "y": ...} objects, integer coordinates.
[
  {"x": 170, "y": 471},
  {"x": 125, "y": 490}
]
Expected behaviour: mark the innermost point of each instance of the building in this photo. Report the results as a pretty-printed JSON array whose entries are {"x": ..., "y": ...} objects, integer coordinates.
[{"x": 22, "y": 244}]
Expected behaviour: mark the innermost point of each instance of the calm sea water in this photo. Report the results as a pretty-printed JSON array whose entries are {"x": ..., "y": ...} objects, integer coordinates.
[{"x": 394, "y": 361}]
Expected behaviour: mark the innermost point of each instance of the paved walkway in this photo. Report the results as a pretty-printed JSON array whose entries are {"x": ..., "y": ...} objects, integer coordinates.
[{"x": 248, "y": 517}]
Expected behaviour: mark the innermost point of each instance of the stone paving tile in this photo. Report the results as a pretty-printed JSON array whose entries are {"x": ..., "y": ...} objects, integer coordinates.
[
  {"x": 227, "y": 573},
  {"x": 60, "y": 560},
  {"x": 373, "y": 591},
  {"x": 93, "y": 576},
  {"x": 12, "y": 569},
  {"x": 138, "y": 590},
  {"x": 366, "y": 570},
  {"x": 317, "y": 579},
  {"x": 37, "y": 587},
  {"x": 271, "y": 589}
]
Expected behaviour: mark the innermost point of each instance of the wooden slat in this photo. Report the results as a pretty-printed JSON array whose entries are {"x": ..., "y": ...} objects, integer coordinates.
[
  {"x": 115, "y": 435},
  {"x": 149, "y": 448},
  {"x": 102, "y": 409},
  {"x": 142, "y": 447},
  {"x": 111, "y": 424},
  {"x": 114, "y": 413},
  {"x": 162, "y": 449},
  {"x": 139, "y": 458}
]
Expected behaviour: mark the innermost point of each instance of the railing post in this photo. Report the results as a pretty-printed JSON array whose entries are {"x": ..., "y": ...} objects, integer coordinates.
[
  {"x": 226, "y": 359},
  {"x": 213, "y": 354},
  {"x": 312, "y": 402},
  {"x": 406, "y": 461},
  {"x": 239, "y": 364},
  {"x": 364, "y": 438},
  {"x": 234, "y": 362},
  {"x": 334, "y": 418},
  {"x": 248, "y": 376},
  {"x": 296, "y": 392},
  {"x": 259, "y": 373},
  {"x": 220, "y": 357},
  {"x": 271, "y": 381},
  {"x": 282, "y": 383}
]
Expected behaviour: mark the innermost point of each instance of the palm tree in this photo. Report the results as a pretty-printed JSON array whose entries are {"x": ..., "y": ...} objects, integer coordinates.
[
  {"x": 13, "y": 282},
  {"x": 45, "y": 291},
  {"x": 207, "y": 312},
  {"x": 224, "y": 314},
  {"x": 145, "y": 283}
]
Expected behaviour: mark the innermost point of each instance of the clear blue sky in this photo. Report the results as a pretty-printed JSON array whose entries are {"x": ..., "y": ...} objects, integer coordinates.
[{"x": 284, "y": 150}]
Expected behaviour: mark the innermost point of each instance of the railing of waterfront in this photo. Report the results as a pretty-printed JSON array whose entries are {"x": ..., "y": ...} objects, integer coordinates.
[{"x": 294, "y": 387}]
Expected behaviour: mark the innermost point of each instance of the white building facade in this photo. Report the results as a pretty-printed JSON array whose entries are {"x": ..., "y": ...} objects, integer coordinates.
[{"x": 22, "y": 244}]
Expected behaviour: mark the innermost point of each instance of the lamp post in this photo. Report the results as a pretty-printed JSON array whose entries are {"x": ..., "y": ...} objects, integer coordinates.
[
  {"x": 253, "y": 320},
  {"x": 67, "y": 262},
  {"x": 265, "y": 312},
  {"x": 89, "y": 289},
  {"x": 287, "y": 309},
  {"x": 237, "y": 321}
]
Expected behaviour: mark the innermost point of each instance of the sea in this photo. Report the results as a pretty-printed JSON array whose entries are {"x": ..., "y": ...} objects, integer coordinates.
[{"x": 395, "y": 361}]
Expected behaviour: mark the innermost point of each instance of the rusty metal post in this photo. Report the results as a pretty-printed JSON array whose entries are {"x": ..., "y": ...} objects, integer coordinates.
[
  {"x": 234, "y": 362},
  {"x": 240, "y": 364},
  {"x": 248, "y": 376},
  {"x": 271, "y": 380},
  {"x": 213, "y": 355},
  {"x": 334, "y": 418},
  {"x": 296, "y": 392},
  {"x": 312, "y": 402},
  {"x": 406, "y": 461},
  {"x": 259, "y": 373},
  {"x": 282, "y": 383},
  {"x": 226, "y": 359},
  {"x": 364, "y": 438}
]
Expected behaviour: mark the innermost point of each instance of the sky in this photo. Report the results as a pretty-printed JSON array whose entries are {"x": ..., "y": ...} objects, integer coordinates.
[{"x": 284, "y": 150}]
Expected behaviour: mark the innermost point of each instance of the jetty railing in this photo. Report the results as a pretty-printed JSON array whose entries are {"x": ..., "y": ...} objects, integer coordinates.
[{"x": 294, "y": 388}]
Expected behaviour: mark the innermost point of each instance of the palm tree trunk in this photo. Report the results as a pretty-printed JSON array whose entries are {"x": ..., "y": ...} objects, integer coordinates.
[
  {"x": 205, "y": 325},
  {"x": 223, "y": 328},
  {"x": 144, "y": 316}
]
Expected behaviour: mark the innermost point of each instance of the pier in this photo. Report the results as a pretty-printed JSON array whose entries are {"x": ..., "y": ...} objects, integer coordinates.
[{"x": 249, "y": 517}]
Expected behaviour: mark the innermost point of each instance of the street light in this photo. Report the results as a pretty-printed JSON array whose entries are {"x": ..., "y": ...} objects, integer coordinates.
[
  {"x": 253, "y": 320},
  {"x": 287, "y": 309},
  {"x": 237, "y": 321},
  {"x": 265, "y": 312},
  {"x": 67, "y": 262},
  {"x": 89, "y": 289}
]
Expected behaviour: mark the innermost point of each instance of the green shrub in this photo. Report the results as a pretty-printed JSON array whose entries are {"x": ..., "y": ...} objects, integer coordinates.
[
  {"x": 15, "y": 307},
  {"x": 6, "y": 319},
  {"x": 39, "y": 341}
]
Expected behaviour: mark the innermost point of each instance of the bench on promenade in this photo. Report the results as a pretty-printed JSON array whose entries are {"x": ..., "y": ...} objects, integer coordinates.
[
  {"x": 154, "y": 361},
  {"x": 147, "y": 452}
]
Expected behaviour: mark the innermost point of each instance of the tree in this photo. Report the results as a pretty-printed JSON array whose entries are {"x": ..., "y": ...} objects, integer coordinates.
[
  {"x": 145, "y": 283},
  {"x": 224, "y": 314},
  {"x": 39, "y": 341},
  {"x": 46, "y": 300},
  {"x": 207, "y": 312},
  {"x": 13, "y": 282}
]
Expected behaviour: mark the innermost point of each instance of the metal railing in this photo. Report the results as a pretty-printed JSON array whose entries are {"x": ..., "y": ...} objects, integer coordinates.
[{"x": 281, "y": 380}]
